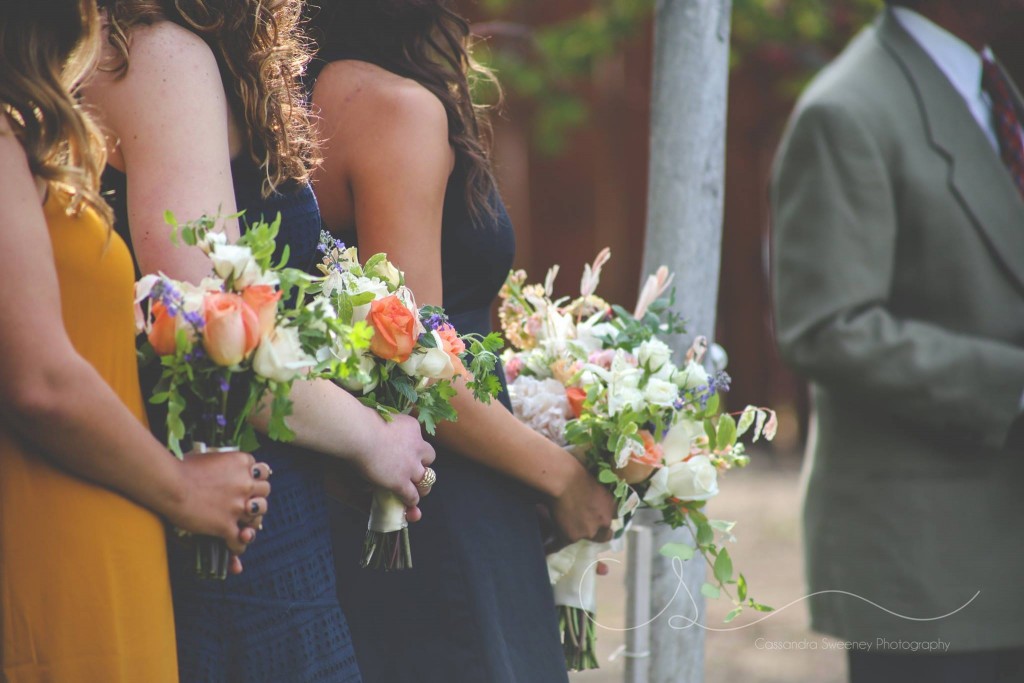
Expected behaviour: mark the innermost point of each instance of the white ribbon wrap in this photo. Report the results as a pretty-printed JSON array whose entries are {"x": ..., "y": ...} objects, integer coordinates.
[
  {"x": 573, "y": 572},
  {"x": 387, "y": 513}
]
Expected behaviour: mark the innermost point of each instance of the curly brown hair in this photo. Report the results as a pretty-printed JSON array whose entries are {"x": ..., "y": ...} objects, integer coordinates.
[
  {"x": 261, "y": 55},
  {"x": 48, "y": 49},
  {"x": 426, "y": 41}
]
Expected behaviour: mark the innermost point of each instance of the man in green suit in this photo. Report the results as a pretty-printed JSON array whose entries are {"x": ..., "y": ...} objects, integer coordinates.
[{"x": 898, "y": 270}]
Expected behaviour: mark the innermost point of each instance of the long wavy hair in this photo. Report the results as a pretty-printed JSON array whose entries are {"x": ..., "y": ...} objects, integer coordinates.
[
  {"x": 426, "y": 41},
  {"x": 47, "y": 50},
  {"x": 262, "y": 57}
]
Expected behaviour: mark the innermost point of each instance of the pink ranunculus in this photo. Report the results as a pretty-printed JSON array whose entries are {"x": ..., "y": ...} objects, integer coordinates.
[
  {"x": 512, "y": 368},
  {"x": 231, "y": 330},
  {"x": 602, "y": 358}
]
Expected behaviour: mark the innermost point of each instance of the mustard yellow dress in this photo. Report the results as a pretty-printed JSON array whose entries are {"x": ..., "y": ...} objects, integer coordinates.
[{"x": 84, "y": 589}]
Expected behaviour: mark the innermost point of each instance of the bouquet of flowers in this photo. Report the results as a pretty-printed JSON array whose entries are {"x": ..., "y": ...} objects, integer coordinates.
[
  {"x": 412, "y": 358},
  {"x": 599, "y": 380},
  {"x": 227, "y": 344}
]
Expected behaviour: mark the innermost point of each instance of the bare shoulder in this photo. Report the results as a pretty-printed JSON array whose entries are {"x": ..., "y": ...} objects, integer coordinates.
[
  {"x": 162, "y": 55},
  {"x": 372, "y": 101}
]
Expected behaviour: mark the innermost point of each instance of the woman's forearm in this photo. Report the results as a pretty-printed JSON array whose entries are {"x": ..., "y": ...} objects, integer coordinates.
[
  {"x": 327, "y": 419},
  {"x": 97, "y": 439},
  {"x": 491, "y": 435}
]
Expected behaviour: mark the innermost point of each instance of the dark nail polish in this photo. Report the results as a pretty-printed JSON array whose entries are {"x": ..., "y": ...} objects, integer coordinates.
[
  {"x": 255, "y": 507},
  {"x": 256, "y": 473}
]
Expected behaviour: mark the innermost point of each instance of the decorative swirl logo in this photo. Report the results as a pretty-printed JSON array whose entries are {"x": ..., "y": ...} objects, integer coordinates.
[{"x": 686, "y": 622}]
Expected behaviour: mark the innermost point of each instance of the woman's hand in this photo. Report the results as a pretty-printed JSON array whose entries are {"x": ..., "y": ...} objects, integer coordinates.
[
  {"x": 222, "y": 495},
  {"x": 396, "y": 459},
  {"x": 584, "y": 509}
]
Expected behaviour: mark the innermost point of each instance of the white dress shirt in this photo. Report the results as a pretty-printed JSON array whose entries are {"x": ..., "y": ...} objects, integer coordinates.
[{"x": 958, "y": 61}]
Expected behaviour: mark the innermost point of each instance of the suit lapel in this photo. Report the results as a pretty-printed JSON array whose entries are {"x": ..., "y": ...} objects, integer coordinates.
[{"x": 977, "y": 177}]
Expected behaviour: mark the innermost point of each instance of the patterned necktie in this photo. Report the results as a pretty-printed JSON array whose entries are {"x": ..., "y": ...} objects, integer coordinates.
[{"x": 1006, "y": 119}]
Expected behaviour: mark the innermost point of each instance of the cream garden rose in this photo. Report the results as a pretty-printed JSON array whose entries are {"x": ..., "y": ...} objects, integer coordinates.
[{"x": 280, "y": 357}]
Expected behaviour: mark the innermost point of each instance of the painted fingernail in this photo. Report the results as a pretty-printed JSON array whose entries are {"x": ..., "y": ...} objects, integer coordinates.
[
  {"x": 255, "y": 507},
  {"x": 256, "y": 473}
]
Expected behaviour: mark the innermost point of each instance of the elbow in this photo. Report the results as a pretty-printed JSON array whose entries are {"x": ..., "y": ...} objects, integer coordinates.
[{"x": 36, "y": 397}]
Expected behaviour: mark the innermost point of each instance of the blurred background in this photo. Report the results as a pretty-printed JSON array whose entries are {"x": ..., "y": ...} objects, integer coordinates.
[{"x": 571, "y": 152}]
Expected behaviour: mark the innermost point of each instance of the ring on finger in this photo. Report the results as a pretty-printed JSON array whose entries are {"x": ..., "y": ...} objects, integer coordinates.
[{"x": 428, "y": 480}]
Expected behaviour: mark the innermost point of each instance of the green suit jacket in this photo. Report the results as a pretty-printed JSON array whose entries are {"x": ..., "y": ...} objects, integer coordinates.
[{"x": 898, "y": 261}]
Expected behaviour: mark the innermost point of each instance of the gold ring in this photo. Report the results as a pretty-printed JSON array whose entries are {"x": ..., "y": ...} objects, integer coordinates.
[{"x": 428, "y": 480}]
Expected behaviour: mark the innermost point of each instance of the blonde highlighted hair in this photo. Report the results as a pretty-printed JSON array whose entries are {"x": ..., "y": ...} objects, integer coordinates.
[
  {"x": 48, "y": 50},
  {"x": 262, "y": 57}
]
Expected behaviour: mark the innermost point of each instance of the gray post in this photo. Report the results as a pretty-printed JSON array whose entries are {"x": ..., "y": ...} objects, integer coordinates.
[{"x": 684, "y": 232}]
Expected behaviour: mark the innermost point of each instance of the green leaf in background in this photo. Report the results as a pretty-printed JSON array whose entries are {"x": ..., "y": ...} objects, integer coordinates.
[
  {"x": 726, "y": 435},
  {"x": 723, "y": 566},
  {"x": 681, "y": 550},
  {"x": 710, "y": 591}
]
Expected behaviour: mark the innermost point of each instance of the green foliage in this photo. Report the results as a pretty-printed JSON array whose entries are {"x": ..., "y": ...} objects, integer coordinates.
[{"x": 552, "y": 65}]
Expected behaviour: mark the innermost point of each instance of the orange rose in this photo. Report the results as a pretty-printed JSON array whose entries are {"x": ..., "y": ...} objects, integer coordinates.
[
  {"x": 640, "y": 467},
  {"x": 394, "y": 329},
  {"x": 262, "y": 299},
  {"x": 453, "y": 346},
  {"x": 576, "y": 398},
  {"x": 232, "y": 328},
  {"x": 161, "y": 334}
]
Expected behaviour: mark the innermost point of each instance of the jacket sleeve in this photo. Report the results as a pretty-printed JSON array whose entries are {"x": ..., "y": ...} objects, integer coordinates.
[{"x": 834, "y": 240}]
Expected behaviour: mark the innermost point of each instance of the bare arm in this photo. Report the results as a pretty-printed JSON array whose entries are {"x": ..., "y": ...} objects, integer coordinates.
[
  {"x": 398, "y": 167},
  {"x": 170, "y": 119},
  {"x": 171, "y": 115},
  {"x": 59, "y": 405}
]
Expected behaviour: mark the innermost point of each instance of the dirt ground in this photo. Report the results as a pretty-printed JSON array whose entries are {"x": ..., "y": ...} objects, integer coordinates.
[{"x": 764, "y": 500}]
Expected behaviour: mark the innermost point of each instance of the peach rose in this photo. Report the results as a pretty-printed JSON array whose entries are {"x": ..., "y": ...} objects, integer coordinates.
[
  {"x": 639, "y": 468},
  {"x": 394, "y": 328},
  {"x": 576, "y": 398},
  {"x": 453, "y": 346},
  {"x": 232, "y": 328},
  {"x": 161, "y": 333},
  {"x": 262, "y": 299}
]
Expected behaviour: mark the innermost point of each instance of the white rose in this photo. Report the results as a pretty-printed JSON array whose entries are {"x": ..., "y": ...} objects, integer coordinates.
[
  {"x": 695, "y": 479},
  {"x": 231, "y": 260},
  {"x": 692, "y": 376},
  {"x": 676, "y": 444},
  {"x": 666, "y": 372},
  {"x": 355, "y": 381},
  {"x": 661, "y": 393},
  {"x": 386, "y": 272},
  {"x": 361, "y": 285},
  {"x": 280, "y": 357},
  {"x": 653, "y": 354},
  {"x": 432, "y": 363},
  {"x": 657, "y": 490}
]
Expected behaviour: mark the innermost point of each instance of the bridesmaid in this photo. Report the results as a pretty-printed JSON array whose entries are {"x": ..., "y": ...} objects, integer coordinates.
[
  {"x": 202, "y": 100},
  {"x": 406, "y": 171},
  {"x": 83, "y": 567}
]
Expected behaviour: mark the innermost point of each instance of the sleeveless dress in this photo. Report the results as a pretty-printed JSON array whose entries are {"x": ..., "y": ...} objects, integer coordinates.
[
  {"x": 477, "y": 605},
  {"x": 279, "y": 621},
  {"x": 84, "y": 590}
]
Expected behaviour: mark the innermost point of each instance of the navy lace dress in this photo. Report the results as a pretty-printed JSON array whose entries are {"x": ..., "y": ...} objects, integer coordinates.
[
  {"x": 279, "y": 621},
  {"x": 477, "y": 605}
]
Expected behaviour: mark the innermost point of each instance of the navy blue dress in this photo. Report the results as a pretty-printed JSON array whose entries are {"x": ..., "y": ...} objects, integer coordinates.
[
  {"x": 279, "y": 621},
  {"x": 477, "y": 605}
]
